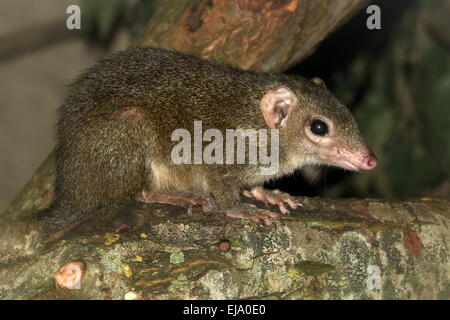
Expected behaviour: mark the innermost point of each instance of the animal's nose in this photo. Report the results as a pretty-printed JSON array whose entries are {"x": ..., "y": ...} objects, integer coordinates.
[{"x": 369, "y": 163}]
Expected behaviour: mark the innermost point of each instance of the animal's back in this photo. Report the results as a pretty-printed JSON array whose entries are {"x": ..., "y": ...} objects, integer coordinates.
[{"x": 163, "y": 82}]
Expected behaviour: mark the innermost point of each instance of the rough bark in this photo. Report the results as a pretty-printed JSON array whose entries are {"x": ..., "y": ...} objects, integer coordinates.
[
  {"x": 322, "y": 250},
  {"x": 252, "y": 34}
]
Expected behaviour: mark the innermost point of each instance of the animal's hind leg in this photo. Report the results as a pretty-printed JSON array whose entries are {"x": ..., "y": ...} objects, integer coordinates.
[
  {"x": 100, "y": 165},
  {"x": 184, "y": 200}
]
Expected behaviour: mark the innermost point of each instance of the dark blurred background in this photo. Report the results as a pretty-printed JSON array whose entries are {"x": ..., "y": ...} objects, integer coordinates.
[{"x": 396, "y": 80}]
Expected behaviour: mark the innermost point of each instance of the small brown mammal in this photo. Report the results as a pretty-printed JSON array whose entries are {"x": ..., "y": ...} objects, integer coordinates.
[{"x": 114, "y": 134}]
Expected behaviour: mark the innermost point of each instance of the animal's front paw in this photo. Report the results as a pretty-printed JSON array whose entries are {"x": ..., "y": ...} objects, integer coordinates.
[{"x": 275, "y": 197}]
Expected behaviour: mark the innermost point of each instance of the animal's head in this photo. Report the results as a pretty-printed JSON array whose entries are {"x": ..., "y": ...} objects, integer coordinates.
[{"x": 315, "y": 127}]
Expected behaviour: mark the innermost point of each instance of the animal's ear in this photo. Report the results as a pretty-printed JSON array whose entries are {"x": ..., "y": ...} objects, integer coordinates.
[
  {"x": 318, "y": 81},
  {"x": 276, "y": 106}
]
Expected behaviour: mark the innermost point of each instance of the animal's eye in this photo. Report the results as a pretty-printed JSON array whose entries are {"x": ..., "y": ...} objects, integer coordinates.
[{"x": 319, "y": 127}]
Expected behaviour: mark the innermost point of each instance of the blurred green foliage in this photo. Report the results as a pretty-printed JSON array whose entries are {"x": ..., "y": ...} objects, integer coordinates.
[{"x": 405, "y": 109}]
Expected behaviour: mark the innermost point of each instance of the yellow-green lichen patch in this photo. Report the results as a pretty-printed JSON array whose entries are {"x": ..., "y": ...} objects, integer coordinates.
[
  {"x": 312, "y": 268},
  {"x": 236, "y": 244},
  {"x": 292, "y": 273},
  {"x": 127, "y": 271},
  {"x": 110, "y": 238},
  {"x": 178, "y": 284},
  {"x": 243, "y": 259},
  {"x": 176, "y": 258}
]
